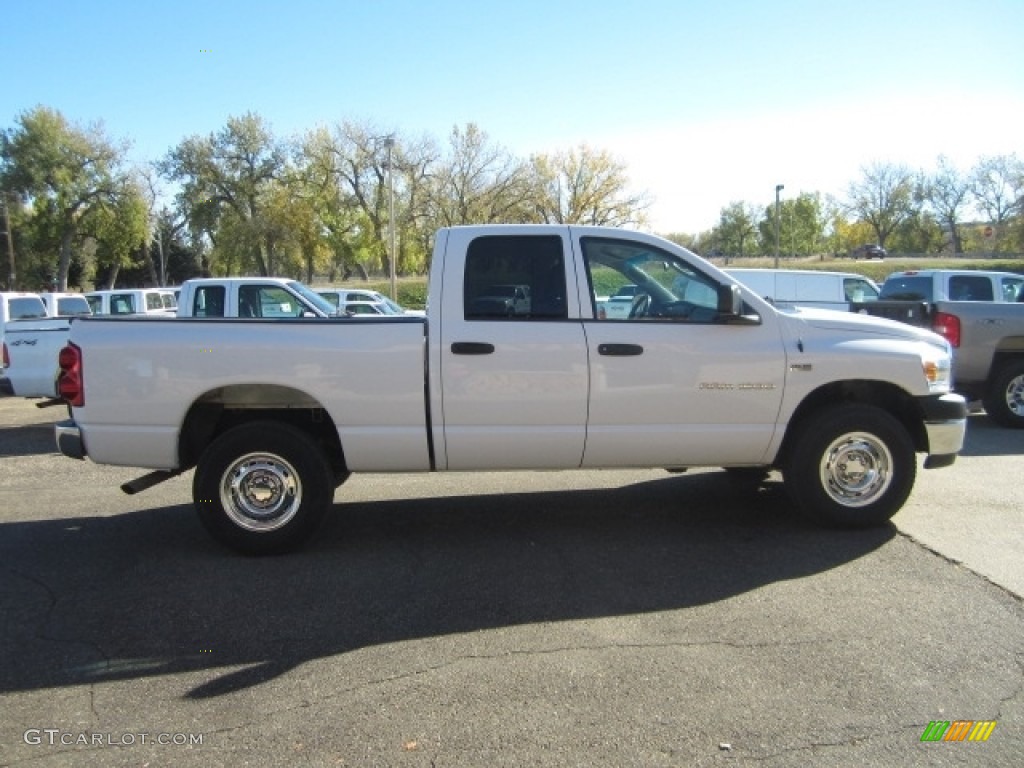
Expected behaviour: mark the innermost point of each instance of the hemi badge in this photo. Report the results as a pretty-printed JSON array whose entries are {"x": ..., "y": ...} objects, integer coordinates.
[{"x": 801, "y": 367}]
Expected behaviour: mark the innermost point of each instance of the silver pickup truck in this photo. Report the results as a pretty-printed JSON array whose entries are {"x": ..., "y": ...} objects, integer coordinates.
[{"x": 981, "y": 314}]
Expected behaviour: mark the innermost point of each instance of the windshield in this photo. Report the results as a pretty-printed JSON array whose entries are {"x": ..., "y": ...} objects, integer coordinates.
[{"x": 314, "y": 298}]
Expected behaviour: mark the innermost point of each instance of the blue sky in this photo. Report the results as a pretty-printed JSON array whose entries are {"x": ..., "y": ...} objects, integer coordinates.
[{"x": 705, "y": 101}]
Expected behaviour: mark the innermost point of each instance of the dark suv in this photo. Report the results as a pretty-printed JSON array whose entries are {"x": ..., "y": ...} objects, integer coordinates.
[{"x": 869, "y": 251}]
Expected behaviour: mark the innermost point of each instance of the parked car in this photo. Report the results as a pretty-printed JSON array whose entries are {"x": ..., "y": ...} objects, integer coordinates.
[
  {"x": 65, "y": 304},
  {"x": 808, "y": 288},
  {"x": 340, "y": 297},
  {"x": 132, "y": 301},
  {"x": 501, "y": 301},
  {"x": 930, "y": 285},
  {"x": 250, "y": 297}
]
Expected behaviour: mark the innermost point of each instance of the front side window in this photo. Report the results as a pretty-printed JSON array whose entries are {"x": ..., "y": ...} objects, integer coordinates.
[
  {"x": 1013, "y": 288},
  {"x": 857, "y": 289},
  {"x": 515, "y": 277},
  {"x": 636, "y": 281}
]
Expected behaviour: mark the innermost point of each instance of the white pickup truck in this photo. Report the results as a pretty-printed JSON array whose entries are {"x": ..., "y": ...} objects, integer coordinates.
[
  {"x": 30, "y": 354},
  {"x": 275, "y": 415}
]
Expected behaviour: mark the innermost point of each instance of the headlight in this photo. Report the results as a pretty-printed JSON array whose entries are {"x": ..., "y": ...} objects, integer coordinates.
[{"x": 938, "y": 370}]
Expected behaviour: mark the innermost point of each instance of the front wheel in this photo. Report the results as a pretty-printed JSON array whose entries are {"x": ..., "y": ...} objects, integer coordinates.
[
  {"x": 263, "y": 488},
  {"x": 851, "y": 465},
  {"x": 1004, "y": 402}
]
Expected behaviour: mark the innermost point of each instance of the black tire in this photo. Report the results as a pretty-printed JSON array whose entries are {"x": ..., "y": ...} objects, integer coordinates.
[
  {"x": 850, "y": 466},
  {"x": 1004, "y": 402},
  {"x": 263, "y": 488}
]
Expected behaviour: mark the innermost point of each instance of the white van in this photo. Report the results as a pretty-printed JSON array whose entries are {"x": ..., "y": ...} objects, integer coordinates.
[
  {"x": 133, "y": 301},
  {"x": 807, "y": 288}
]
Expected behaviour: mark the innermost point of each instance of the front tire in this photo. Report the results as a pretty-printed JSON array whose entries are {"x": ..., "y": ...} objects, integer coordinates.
[
  {"x": 263, "y": 488},
  {"x": 850, "y": 466},
  {"x": 1004, "y": 402}
]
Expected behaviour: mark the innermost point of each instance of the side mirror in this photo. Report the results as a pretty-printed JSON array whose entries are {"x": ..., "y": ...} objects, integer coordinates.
[{"x": 730, "y": 300}]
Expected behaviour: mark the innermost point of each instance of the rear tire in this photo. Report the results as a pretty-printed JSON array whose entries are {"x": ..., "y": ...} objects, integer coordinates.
[
  {"x": 851, "y": 466},
  {"x": 263, "y": 488},
  {"x": 1004, "y": 402}
]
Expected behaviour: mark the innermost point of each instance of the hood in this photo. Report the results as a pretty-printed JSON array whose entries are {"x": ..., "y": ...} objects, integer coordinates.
[{"x": 838, "y": 320}]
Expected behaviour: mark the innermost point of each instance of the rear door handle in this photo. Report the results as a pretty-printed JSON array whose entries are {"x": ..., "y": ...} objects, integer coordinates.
[
  {"x": 620, "y": 350},
  {"x": 471, "y": 348}
]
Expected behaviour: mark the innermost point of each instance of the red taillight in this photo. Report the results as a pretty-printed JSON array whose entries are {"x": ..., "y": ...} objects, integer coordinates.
[
  {"x": 947, "y": 326},
  {"x": 7, "y": 356},
  {"x": 69, "y": 382}
]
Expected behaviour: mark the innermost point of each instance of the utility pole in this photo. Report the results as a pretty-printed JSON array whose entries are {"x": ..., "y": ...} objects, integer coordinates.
[
  {"x": 12, "y": 280},
  {"x": 778, "y": 188},
  {"x": 389, "y": 142}
]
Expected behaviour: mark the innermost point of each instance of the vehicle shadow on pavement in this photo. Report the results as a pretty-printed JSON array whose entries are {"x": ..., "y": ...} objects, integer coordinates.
[
  {"x": 27, "y": 440},
  {"x": 147, "y": 593},
  {"x": 986, "y": 438}
]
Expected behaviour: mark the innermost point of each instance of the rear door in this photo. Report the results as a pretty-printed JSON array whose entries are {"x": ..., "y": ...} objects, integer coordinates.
[{"x": 514, "y": 384}]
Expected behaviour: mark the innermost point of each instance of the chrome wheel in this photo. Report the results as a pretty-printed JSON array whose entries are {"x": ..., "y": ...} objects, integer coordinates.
[
  {"x": 1014, "y": 394},
  {"x": 260, "y": 492},
  {"x": 856, "y": 469}
]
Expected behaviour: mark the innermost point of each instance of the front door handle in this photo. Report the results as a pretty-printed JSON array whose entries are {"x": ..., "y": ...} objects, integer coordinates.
[
  {"x": 620, "y": 350},
  {"x": 471, "y": 348}
]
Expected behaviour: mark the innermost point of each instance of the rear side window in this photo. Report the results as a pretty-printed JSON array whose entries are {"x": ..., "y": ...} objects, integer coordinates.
[
  {"x": 515, "y": 277},
  {"x": 907, "y": 288},
  {"x": 153, "y": 301},
  {"x": 970, "y": 288},
  {"x": 208, "y": 301}
]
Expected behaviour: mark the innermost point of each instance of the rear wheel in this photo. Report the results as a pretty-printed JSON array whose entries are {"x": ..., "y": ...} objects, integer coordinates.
[
  {"x": 1004, "y": 402},
  {"x": 851, "y": 465},
  {"x": 263, "y": 488}
]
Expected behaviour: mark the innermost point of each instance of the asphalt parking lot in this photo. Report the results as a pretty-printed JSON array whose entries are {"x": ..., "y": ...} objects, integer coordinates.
[{"x": 588, "y": 618}]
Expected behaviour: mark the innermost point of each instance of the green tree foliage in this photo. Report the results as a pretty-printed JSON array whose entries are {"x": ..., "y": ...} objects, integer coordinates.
[
  {"x": 736, "y": 230},
  {"x": 72, "y": 180},
  {"x": 228, "y": 180},
  {"x": 802, "y": 226}
]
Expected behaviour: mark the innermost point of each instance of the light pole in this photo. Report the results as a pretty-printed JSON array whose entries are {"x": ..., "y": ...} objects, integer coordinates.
[
  {"x": 389, "y": 143},
  {"x": 778, "y": 188}
]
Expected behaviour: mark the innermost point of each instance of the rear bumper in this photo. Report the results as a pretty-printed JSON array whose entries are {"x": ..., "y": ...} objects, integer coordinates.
[
  {"x": 945, "y": 424},
  {"x": 69, "y": 439}
]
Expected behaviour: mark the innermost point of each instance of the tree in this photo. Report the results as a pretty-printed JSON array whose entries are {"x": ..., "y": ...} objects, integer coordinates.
[
  {"x": 480, "y": 182},
  {"x": 947, "y": 193},
  {"x": 801, "y": 226},
  {"x": 997, "y": 187},
  {"x": 585, "y": 186},
  {"x": 737, "y": 226},
  {"x": 884, "y": 198},
  {"x": 64, "y": 172},
  {"x": 227, "y": 180}
]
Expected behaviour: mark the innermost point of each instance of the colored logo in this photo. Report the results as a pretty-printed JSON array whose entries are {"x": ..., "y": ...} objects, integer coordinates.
[{"x": 958, "y": 730}]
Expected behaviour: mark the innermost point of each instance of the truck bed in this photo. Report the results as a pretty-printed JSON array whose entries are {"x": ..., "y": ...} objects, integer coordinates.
[{"x": 154, "y": 371}]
